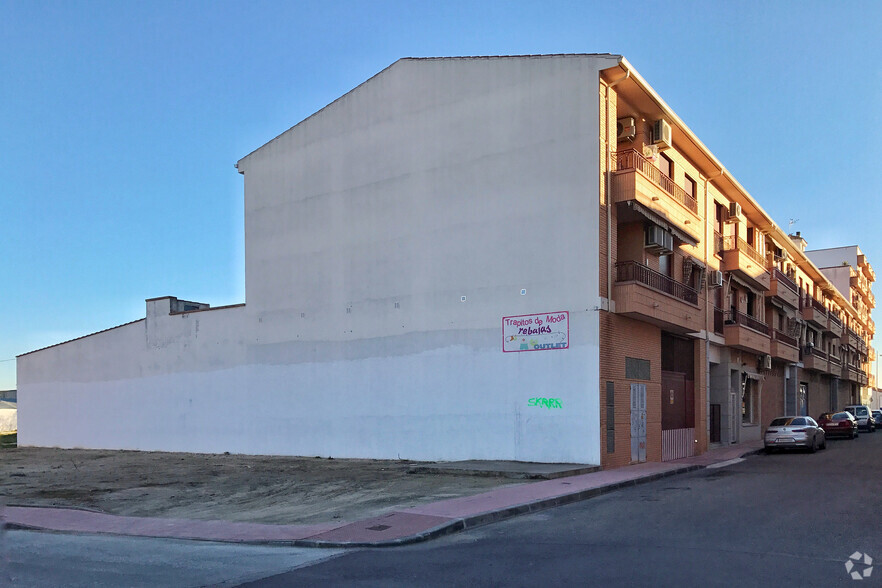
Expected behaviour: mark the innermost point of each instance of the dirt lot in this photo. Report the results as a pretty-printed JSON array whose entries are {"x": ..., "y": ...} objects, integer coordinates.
[{"x": 281, "y": 490}]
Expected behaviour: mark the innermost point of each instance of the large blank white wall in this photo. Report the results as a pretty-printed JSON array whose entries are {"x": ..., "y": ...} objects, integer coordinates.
[{"x": 366, "y": 224}]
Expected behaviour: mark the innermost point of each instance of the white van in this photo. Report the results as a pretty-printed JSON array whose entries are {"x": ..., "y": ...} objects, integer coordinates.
[{"x": 864, "y": 416}]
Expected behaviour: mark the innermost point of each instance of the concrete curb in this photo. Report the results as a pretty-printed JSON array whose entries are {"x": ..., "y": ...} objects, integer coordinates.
[
  {"x": 486, "y": 518},
  {"x": 450, "y": 526}
]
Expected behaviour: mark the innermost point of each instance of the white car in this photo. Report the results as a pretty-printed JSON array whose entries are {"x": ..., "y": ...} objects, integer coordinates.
[{"x": 792, "y": 432}]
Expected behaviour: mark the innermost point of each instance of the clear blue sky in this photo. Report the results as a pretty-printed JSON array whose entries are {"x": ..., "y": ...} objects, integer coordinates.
[{"x": 120, "y": 123}]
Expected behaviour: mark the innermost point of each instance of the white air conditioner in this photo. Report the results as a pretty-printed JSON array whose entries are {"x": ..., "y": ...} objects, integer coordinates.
[
  {"x": 661, "y": 134},
  {"x": 784, "y": 256},
  {"x": 626, "y": 128},
  {"x": 650, "y": 152},
  {"x": 715, "y": 278},
  {"x": 658, "y": 240},
  {"x": 734, "y": 212},
  {"x": 765, "y": 362}
]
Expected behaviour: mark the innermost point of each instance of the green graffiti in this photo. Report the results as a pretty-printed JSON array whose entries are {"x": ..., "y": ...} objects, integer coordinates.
[{"x": 548, "y": 403}]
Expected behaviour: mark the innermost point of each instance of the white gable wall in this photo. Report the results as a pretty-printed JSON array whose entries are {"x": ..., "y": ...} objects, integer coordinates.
[{"x": 366, "y": 224}]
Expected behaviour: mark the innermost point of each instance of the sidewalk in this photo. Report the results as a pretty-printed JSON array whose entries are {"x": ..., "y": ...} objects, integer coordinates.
[{"x": 396, "y": 528}]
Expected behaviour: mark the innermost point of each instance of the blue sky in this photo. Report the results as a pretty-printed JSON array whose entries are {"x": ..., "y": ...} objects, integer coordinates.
[{"x": 120, "y": 123}]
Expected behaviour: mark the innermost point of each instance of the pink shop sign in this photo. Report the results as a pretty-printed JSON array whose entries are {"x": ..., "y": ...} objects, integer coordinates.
[{"x": 536, "y": 332}]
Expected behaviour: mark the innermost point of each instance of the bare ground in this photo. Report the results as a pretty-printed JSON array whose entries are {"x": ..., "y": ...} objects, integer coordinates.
[{"x": 260, "y": 489}]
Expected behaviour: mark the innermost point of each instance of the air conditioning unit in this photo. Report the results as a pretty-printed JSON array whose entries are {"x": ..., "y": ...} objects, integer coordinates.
[
  {"x": 715, "y": 278},
  {"x": 784, "y": 255},
  {"x": 658, "y": 239},
  {"x": 734, "y": 212},
  {"x": 765, "y": 362},
  {"x": 626, "y": 128},
  {"x": 661, "y": 134},
  {"x": 650, "y": 152}
]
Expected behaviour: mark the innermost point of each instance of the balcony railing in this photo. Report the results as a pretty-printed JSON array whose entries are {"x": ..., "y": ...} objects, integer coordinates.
[
  {"x": 785, "y": 338},
  {"x": 631, "y": 160},
  {"x": 631, "y": 271},
  {"x": 731, "y": 242},
  {"x": 815, "y": 352},
  {"x": 819, "y": 306},
  {"x": 834, "y": 318},
  {"x": 745, "y": 320},
  {"x": 785, "y": 280},
  {"x": 835, "y": 359}
]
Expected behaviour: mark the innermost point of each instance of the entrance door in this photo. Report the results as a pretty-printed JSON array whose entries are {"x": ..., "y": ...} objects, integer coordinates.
[
  {"x": 638, "y": 423},
  {"x": 715, "y": 423},
  {"x": 802, "y": 400},
  {"x": 678, "y": 416}
]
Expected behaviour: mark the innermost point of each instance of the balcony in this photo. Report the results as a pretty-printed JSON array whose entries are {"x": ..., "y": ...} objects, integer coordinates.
[
  {"x": 871, "y": 326},
  {"x": 866, "y": 268},
  {"x": 835, "y": 365},
  {"x": 815, "y": 312},
  {"x": 745, "y": 262},
  {"x": 834, "y": 324},
  {"x": 719, "y": 321},
  {"x": 635, "y": 179},
  {"x": 853, "y": 373},
  {"x": 785, "y": 347},
  {"x": 856, "y": 342},
  {"x": 745, "y": 332},
  {"x": 783, "y": 288},
  {"x": 871, "y": 352},
  {"x": 814, "y": 359},
  {"x": 647, "y": 295},
  {"x": 859, "y": 282}
]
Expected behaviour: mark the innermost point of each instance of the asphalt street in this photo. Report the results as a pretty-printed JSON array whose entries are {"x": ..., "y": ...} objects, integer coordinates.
[
  {"x": 789, "y": 519},
  {"x": 780, "y": 520}
]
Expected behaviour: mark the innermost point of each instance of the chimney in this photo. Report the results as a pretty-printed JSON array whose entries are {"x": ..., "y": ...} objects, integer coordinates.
[{"x": 800, "y": 242}]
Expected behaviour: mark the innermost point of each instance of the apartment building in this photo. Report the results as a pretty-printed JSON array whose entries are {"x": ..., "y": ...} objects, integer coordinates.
[
  {"x": 719, "y": 320},
  {"x": 528, "y": 258}
]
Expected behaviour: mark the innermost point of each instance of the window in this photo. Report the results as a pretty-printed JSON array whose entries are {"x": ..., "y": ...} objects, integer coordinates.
[
  {"x": 665, "y": 265},
  {"x": 689, "y": 186},
  {"x": 750, "y": 235},
  {"x": 665, "y": 165},
  {"x": 719, "y": 215}
]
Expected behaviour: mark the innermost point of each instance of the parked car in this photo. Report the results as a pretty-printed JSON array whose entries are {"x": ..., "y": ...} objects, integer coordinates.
[
  {"x": 792, "y": 432},
  {"x": 877, "y": 418},
  {"x": 839, "y": 424},
  {"x": 863, "y": 415}
]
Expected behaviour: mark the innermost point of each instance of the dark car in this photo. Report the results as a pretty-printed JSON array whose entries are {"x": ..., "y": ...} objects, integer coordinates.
[
  {"x": 791, "y": 432},
  {"x": 839, "y": 424},
  {"x": 877, "y": 416}
]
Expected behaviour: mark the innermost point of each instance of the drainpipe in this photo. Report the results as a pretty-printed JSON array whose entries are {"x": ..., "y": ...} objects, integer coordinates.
[
  {"x": 707, "y": 375},
  {"x": 609, "y": 265}
]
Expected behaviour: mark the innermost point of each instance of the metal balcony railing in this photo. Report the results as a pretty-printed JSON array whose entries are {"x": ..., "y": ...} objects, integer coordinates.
[
  {"x": 745, "y": 320},
  {"x": 632, "y": 160},
  {"x": 785, "y": 280},
  {"x": 785, "y": 338},
  {"x": 834, "y": 318},
  {"x": 731, "y": 243},
  {"x": 631, "y": 271},
  {"x": 814, "y": 352},
  {"x": 817, "y": 305},
  {"x": 718, "y": 243}
]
